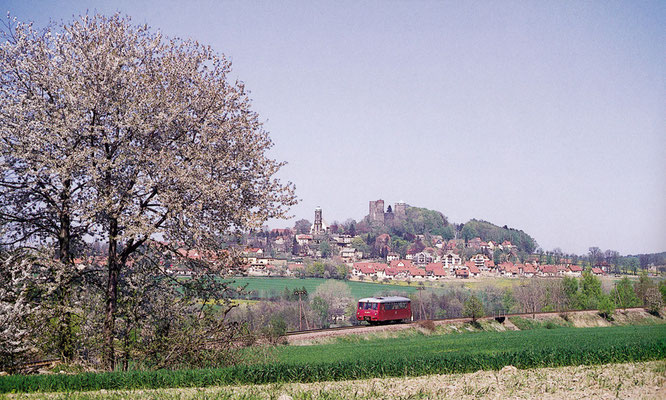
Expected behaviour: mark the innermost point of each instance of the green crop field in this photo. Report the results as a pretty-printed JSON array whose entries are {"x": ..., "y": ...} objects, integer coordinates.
[
  {"x": 273, "y": 287},
  {"x": 360, "y": 359}
]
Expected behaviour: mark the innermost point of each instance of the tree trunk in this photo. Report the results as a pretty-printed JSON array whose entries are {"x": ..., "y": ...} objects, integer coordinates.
[
  {"x": 65, "y": 333},
  {"x": 111, "y": 295}
]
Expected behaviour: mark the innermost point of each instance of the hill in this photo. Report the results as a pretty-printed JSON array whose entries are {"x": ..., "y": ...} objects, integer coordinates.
[
  {"x": 423, "y": 221},
  {"x": 488, "y": 231}
]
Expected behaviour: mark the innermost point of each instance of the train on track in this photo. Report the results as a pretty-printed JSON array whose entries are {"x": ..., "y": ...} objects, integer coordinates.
[{"x": 376, "y": 310}]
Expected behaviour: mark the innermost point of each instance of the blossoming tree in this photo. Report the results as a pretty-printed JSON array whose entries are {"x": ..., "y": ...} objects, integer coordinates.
[{"x": 137, "y": 136}]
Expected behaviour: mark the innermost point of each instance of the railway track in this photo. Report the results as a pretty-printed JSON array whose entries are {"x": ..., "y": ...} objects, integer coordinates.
[
  {"x": 450, "y": 320},
  {"x": 48, "y": 362}
]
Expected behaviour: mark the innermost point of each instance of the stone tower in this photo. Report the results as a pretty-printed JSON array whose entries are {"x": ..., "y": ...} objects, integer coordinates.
[
  {"x": 377, "y": 211},
  {"x": 400, "y": 210},
  {"x": 389, "y": 216},
  {"x": 318, "y": 227}
]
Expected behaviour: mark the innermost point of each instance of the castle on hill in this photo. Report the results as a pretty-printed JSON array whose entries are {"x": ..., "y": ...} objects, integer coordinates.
[{"x": 388, "y": 217}]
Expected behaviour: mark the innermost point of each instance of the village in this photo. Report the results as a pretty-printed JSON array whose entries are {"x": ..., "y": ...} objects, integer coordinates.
[{"x": 438, "y": 259}]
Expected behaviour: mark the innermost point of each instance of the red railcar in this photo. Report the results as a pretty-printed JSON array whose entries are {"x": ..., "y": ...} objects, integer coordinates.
[{"x": 384, "y": 309}]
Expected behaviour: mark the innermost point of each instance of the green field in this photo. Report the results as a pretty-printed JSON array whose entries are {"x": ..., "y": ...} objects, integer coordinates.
[
  {"x": 410, "y": 356},
  {"x": 273, "y": 287}
]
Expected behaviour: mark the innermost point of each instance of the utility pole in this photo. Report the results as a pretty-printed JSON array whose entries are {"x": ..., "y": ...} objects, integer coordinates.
[
  {"x": 301, "y": 312},
  {"x": 421, "y": 307}
]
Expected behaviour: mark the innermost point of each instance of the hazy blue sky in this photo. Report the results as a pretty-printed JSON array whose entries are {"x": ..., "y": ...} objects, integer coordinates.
[{"x": 549, "y": 117}]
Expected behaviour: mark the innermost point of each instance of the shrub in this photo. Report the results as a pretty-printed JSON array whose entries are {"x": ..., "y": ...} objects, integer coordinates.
[
  {"x": 427, "y": 324},
  {"x": 473, "y": 308},
  {"x": 653, "y": 301},
  {"x": 276, "y": 330},
  {"x": 606, "y": 308}
]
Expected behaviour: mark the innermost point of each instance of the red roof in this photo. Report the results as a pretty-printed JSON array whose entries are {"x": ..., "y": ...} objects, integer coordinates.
[
  {"x": 474, "y": 270},
  {"x": 433, "y": 266},
  {"x": 490, "y": 263},
  {"x": 366, "y": 270},
  {"x": 416, "y": 272},
  {"x": 469, "y": 264},
  {"x": 401, "y": 265},
  {"x": 529, "y": 269},
  {"x": 391, "y": 271},
  {"x": 440, "y": 272},
  {"x": 462, "y": 272},
  {"x": 549, "y": 269},
  {"x": 575, "y": 268},
  {"x": 597, "y": 271},
  {"x": 506, "y": 265}
]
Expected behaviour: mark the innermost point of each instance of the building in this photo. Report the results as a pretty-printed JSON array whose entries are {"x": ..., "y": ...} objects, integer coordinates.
[
  {"x": 319, "y": 227},
  {"x": 395, "y": 214},
  {"x": 377, "y": 211}
]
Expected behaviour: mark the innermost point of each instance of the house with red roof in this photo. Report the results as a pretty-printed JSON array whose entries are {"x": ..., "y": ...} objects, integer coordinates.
[
  {"x": 598, "y": 271},
  {"x": 432, "y": 266},
  {"x": 508, "y": 269},
  {"x": 548, "y": 270},
  {"x": 401, "y": 265},
  {"x": 574, "y": 270},
  {"x": 417, "y": 273},
  {"x": 528, "y": 270},
  {"x": 462, "y": 273},
  {"x": 474, "y": 271},
  {"x": 390, "y": 273},
  {"x": 439, "y": 273},
  {"x": 303, "y": 239}
]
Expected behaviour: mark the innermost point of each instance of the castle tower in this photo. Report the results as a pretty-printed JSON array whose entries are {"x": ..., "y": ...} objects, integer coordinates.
[
  {"x": 389, "y": 216},
  {"x": 377, "y": 211},
  {"x": 400, "y": 210}
]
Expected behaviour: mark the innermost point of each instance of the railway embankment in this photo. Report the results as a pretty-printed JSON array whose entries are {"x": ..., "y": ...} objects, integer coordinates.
[{"x": 546, "y": 320}]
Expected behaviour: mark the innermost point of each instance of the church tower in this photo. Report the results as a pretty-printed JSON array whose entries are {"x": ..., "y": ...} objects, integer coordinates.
[{"x": 319, "y": 226}]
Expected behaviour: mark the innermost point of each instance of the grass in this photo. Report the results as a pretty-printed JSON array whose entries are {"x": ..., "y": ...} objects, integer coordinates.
[
  {"x": 274, "y": 287},
  {"x": 412, "y": 356},
  {"x": 628, "y": 380},
  {"x": 529, "y": 323}
]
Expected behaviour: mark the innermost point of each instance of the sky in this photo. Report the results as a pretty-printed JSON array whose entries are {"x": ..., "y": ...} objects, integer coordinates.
[{"x": 549, "y": 117}]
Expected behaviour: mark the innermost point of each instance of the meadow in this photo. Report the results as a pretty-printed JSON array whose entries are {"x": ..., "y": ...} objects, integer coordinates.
[
  {"x": 357, "y": 358},
  {"x": 264, "y": 288}
]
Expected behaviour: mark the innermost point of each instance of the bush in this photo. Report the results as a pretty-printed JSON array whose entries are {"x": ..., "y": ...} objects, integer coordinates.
[
  {"x": 276, "y": 330},
  {"x": 606, "y": 308},
  {"x": 653, "y": 301},
  {"x": 427, "y": 324},
  {"x": 473, "y": 308}
]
